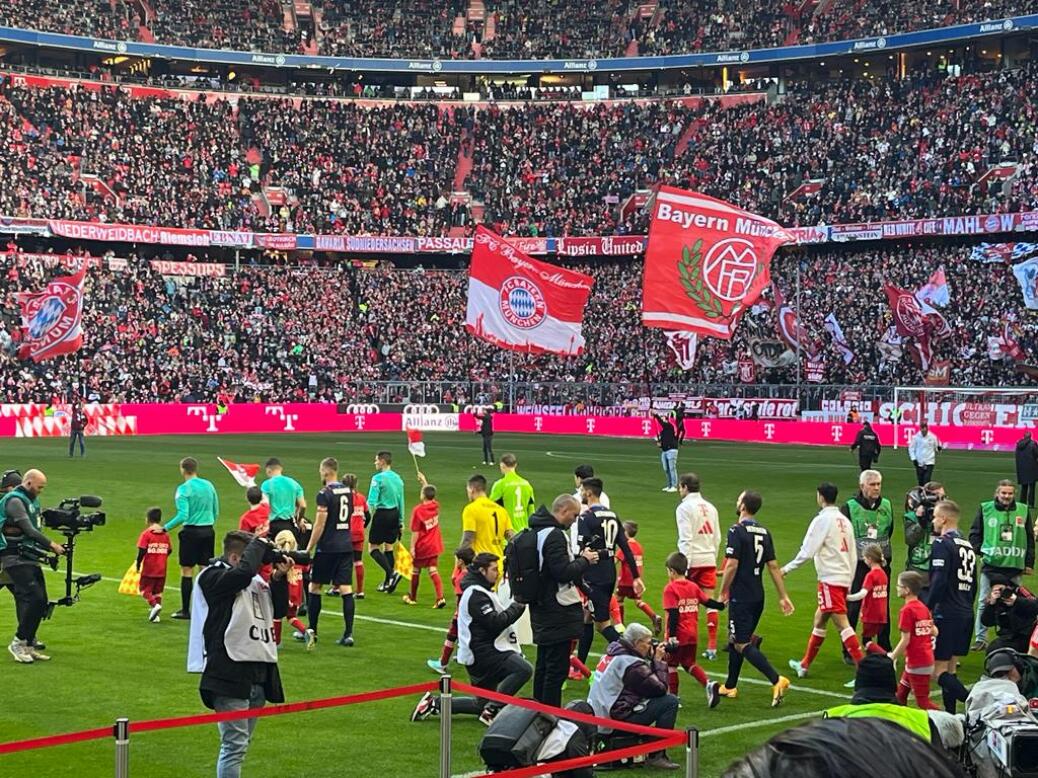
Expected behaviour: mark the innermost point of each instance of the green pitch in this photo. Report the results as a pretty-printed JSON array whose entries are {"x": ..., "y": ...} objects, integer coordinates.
[{"x": 108, "y": 661}]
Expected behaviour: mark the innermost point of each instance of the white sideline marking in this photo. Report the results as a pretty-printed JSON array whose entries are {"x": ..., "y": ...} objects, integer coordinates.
[
  {"x": 760, "y": 723},
  {"x": 806, "y": 689}
]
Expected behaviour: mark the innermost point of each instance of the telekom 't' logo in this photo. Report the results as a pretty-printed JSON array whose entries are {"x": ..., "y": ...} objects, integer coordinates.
[
  {"x": 646, "y": 426},
  {"x": 209, "y": 419},
  {"x": 287, "y": 418},
  {"x": 704, "y": 428},
  {"x": 837, "y": 432},
  {"x": 358, "y": 421},
  {"x": 590, "y": 424},
  {"x": 769, "y": 431},
  {"x": 988, "y": 436},
  {"x": 538, "y": 422}
]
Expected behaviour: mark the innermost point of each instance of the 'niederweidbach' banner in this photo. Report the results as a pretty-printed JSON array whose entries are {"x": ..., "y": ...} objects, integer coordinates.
[{"x": 706, "y": 263}]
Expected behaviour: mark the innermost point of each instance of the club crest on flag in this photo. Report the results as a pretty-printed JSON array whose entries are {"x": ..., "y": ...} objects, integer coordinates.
[
  {"x": 729, "y": 268},
  {"x": 522, "y": 303},
  {"x": 51, "y": 319}
]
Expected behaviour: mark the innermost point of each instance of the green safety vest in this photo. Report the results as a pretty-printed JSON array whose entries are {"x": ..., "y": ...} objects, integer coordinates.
[
  {"x": 920, "y": 554},
  {"x": 912, "y": 719},
  {"x": 32, "y": 507},
  {"x": 875, "y": 526},
  {"x": 1005, "y": 535}
]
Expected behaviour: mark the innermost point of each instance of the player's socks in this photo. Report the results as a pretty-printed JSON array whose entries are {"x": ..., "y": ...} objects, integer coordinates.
[
  {"x": 277, "y": 632},
  {"x": 753, "y": 655},
  {"x": 814, "y": 644},
  {"x": 380, "y": 557},
  {"x": 850, "y": 642},
  {"x": 313, "y": 608},
  {"x": 586, "y": 638},
  {"x": 623, "y": 619},
  {"x": 952, "y": 690},
  {"x": 448, "y": 643},
  {"x": 672, "y": 680},
  {"x": 648, "y": 611},
  {"x": 579, "y": 666},
  {"x": 358, "y": 573},
  {"x": 921, "y": 691},
  {"x": 699, "y": 674},
  {"x": 348, "y": 609},
  {"x": 614, "y": 611},
  {"x": 735, "y": 661},
  {"x": 185, "y": 593},
  {"x": 610, "y": 634},
  {"x": 903, "y": 688},
  {"x": 711, "y": 630},
  {"x": 437, "y": 584},
  {"x": 416, "y": 577},
  {"x": 297, "y": 625}
]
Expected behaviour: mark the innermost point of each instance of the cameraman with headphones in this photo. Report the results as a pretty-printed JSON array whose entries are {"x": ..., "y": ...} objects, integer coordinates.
[
  {"x": 919, "y": 530},
  {"x": 20, "y": 521},
  {"x": 1011, "y": 612}
]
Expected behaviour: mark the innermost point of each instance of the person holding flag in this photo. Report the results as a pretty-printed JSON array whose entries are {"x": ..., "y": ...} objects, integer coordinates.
[{"x": 513, "y": 493}]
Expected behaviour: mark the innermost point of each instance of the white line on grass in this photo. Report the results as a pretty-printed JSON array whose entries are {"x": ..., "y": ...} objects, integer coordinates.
[
  {"x": 760, "y": 723},
  {"x": 806, "y": 689}
]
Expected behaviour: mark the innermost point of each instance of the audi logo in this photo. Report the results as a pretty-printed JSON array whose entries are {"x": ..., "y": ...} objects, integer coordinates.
[
  {"x": 418, "y": 410},
  {"x": 362, "y": 408}
]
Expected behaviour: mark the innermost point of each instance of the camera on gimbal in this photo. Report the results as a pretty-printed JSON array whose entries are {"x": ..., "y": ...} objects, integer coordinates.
[
  {"x": 920, "y": 497},
  {"x": 69, "y": 520}
]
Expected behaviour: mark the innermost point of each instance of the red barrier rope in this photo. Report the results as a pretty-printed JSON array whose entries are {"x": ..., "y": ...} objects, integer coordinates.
[{"x": 209, "y": 718}]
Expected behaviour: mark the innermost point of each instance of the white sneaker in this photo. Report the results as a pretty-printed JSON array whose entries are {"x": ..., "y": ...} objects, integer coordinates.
[
  {"x": 153, "y": 614},
  {"x": 20, "y": 651},
  {"x": 37, "y": 655},
  {"x": 799, "y": 669}
]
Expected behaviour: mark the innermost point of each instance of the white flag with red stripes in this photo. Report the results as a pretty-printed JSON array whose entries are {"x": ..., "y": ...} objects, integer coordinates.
[{"x": 245, "y": 475}]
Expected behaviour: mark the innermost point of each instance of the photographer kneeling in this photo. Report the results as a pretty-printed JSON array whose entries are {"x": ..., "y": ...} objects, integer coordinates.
[
  {"x": 630, "y": 684},
  {"x": 239, "y": 665},
  {"x": 1013, "y": 616},
  {"x": 20, "y": 521}
]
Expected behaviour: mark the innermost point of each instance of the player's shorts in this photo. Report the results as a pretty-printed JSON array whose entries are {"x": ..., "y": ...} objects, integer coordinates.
[
  {"x": 196, "y": 546},
  {"x": 832, "y": 598},
  {"x": 281, "y": 525},
  {"x": 421, "y": 563},
  {"x": 358, "y": 549},
  {"x": 626, "y": 592},
  {"x": 385, "y": 526},
  {"x": 598, "y": 597},
  {"x": 953, "y": 637},
  {"x": 682, "y": 656},
  {"x": 332, "y": 567},
  {"x": 870, "y": 629},
  {"x": 704, "y": 577},
  {"x": 743, "y": 618}
]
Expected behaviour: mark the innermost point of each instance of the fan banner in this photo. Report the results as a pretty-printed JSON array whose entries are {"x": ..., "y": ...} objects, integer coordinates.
[
  {"x": 707, "y": 261},
  {"x": 1027, "y": 276},
  {"x": 683, "y": 345},
  {"x": 52, "y": 318},
  {"x": 521, "y": 304}
]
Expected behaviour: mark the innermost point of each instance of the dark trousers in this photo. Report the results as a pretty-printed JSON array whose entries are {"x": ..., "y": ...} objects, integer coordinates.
[
  {"x": 923, "y": 474},
  {"x": 854, "y": 608},
  {"x": 30, "y": 597},
  {"x": 508, "y": 678},
  {"x": 488, "y": 448},
  {"x": 1027, "y": 494},
  {"x": 660, "y": 712},
  {"x": 550, "y": 673},
  {"x": 76, "y": 435},
  {"x": 866, "y": 463}
]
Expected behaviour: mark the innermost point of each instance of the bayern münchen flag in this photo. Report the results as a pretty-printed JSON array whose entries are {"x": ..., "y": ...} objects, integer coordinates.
[
  {"x": 518, "y": 303},
  {"x": 707, "y": 261},
  {"x": 52, "y": 318}
]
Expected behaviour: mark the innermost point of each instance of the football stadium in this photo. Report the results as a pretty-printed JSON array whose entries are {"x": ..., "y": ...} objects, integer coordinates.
[{"x": 510, "y": 388}]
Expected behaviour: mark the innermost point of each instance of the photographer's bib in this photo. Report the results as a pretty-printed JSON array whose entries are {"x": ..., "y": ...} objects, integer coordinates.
[
  {"x": 1005, "y": 535},
  {"x": 249, "y": 636}
]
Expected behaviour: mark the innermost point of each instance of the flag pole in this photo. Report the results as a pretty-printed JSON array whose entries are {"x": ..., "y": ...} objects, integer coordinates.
[{"x": 799, "y": 357}]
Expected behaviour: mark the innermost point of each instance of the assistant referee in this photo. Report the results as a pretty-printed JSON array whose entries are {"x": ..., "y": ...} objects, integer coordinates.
[
  {"x": 197, "y": 508},
  {"x": 386, "y": 501}
]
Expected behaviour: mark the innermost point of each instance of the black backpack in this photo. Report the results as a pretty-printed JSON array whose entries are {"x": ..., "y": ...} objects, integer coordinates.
[{"x": 523, "y": 566}]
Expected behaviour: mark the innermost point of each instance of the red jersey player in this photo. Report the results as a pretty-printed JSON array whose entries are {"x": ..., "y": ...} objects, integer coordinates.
[
  {"x": 625, "y": 582},
  {"x": 153, "y": 550},
  {"x": 681, "y": 601},
  {"x": 426, "y": 544},
  {"x": 917, "y": 634},
  {"x": 358, "y": 522},
  {"x": 873, "y": 594},
  {"x": 286, "y": 541},
  {"x": 257, "y": 521}
]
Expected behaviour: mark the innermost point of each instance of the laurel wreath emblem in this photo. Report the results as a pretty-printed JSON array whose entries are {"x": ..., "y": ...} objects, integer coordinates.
[{"x": 690, "y": 268}]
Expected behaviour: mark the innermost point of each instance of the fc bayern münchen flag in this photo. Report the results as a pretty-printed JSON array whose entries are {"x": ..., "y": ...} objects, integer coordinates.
[
  {"x": 707, "y": 261},
  {"x": 518, "y": 303},
  {"x": 52, "y": 318}
]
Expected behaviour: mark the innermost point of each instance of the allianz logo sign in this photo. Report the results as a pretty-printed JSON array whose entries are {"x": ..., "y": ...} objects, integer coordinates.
[{"x": 874, "y": 43}]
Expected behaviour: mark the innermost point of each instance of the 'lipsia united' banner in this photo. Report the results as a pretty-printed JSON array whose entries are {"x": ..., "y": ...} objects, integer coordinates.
[
  {"x": 706, "y": 263},
  {"x": 518, "y": 303}
]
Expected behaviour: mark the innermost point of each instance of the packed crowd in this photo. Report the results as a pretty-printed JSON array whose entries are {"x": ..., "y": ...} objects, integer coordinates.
[
  {"x": 547, "y": 29},
  {"x": 263, "y": 330},
  {"x": 878, "y": 150}
]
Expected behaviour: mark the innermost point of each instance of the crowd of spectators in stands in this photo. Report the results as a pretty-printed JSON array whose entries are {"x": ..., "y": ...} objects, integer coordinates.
[
  {"x": 546, "y": 29},
  {"x": 293, "y": 332}
]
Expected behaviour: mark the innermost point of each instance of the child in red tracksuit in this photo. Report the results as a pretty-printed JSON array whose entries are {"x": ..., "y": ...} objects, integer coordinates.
[
  {"x": 873, "y": 594},
  {"x": 426, "y": 544},
  {"x": 463, "y": 558},
  {"x": 153, "y": 550},
  {"x": 625, "y": 583},
  {"x": 681, "y": 600},
  {"x": 916, "y": 644},
  {"x": 286, "y": 541}
]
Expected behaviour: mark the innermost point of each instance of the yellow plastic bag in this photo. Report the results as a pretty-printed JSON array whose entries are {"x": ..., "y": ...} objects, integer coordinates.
[
  {"x": 403, "y": 564},
  {"x": 131, "y": 582}
]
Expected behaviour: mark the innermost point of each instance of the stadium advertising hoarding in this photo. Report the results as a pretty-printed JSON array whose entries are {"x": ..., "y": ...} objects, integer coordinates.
[
  {"x": 32, "y": 421},
  {"x": 945, "y": 35}
]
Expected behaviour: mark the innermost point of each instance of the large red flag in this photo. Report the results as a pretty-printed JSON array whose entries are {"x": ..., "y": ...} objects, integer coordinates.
[
  {"x": 911, "y": 321},
  {"x": 518, "y": 303},
  {"x": 52, "y": 318},
  {"x": 707, "y": 261}
]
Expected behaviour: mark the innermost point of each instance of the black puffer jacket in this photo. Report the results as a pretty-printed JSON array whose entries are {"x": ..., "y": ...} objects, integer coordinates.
[
  {"x": 553, "y": 618},
  {"x": 487, "y": 623}
]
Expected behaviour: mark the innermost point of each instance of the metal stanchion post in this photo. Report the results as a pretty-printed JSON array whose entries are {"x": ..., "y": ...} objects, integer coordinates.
[
  {"x": 445, "y": 726},
  {"x": 692, "y": 753},
  {"x": 121, "y": 733}
]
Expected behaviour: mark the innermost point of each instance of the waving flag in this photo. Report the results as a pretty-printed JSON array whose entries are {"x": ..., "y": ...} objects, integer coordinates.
[
  {"x": 788, "y": 326},
  {"x": 1027, "y": 276},
  {"x": 518, "y": 303},
  {"x": 683, "y": 344},
  {"x": 245, "y": 475},
  {"x": 833, "y": 327},
  {"x": 935, "y": 293},
  {"x": 52, "y": 318},
  {"x": 707, "y": 261},
  {"x": 912, "y": 321},
  {"x": 415, "y": 444},
  {"x": 1002, "y": 252}
]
